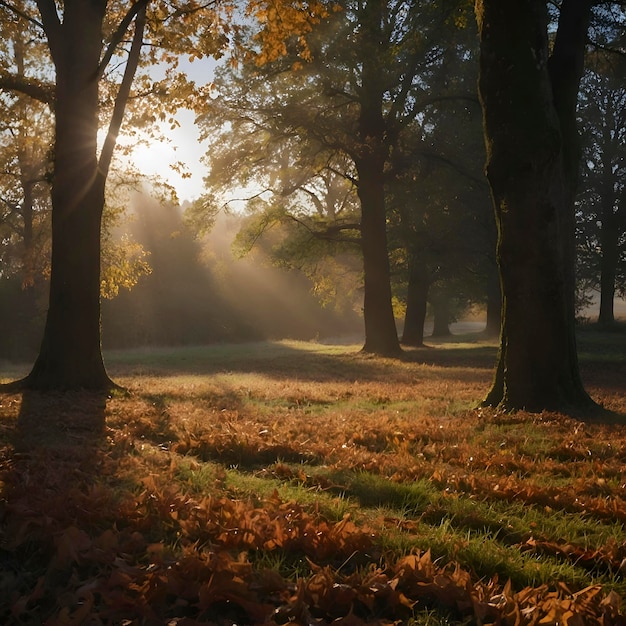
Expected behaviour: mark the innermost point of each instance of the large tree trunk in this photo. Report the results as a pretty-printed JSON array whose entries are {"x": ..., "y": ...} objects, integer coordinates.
[
  {"x": 70, "y": 355},
  {"x": 529, "y": 168},
  {"x": 381, "y": 336},
  {"x": 416, "y": 301}
]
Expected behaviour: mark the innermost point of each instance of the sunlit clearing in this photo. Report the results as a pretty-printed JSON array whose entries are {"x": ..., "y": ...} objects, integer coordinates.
[{"x": 198, "y": 293}]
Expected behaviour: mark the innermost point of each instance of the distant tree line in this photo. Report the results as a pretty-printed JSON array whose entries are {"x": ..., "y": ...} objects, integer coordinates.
[{"x": 192, "y": 293}]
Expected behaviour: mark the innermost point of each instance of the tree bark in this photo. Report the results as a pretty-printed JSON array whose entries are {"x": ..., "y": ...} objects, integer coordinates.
[
  {"x": 611, "y": 217},
  {"x": 416, "y": 300},
  {"x": 530, "y": 168},
  {"x": 70, "y": 356},
  {"x": 381, "y": 336},
  {"x": 441, "y": 315}
]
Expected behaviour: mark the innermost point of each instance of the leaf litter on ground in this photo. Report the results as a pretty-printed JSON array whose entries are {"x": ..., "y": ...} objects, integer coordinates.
[{"x": 167, "y": 514}]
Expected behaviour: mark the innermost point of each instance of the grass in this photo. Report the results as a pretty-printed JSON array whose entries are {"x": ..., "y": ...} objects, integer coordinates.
[{"x": 291, "y": 481}]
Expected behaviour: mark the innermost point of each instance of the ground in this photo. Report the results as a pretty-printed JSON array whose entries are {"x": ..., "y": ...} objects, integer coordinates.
[{"x": 299, "y": 482}]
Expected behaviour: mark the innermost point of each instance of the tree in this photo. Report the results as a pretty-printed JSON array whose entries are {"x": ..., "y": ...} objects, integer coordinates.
[
  {"x": 439, "y": 199},
  {"x": 86, "y": 42},
  {"x": 26, "y": 134},
  {"x": 439, "y": 239},
  {"x": 367, "y": 80},
  {"x": 451, "y": 228},
  {"x": 529, "y": 97},
  {"x": 299, "y": 202},
  {"x": 601, "y": 203}
]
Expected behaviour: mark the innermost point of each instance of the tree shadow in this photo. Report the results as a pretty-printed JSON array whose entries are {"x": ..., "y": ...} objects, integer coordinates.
[
  {"x": 51, "y": 455},
  {"x": 599, "y": 414},
  {"x": 283, "y": 360},
  {"x": 52, "y": 420}
]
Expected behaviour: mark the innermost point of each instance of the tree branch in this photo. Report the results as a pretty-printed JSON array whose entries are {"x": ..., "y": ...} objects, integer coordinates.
[
  {"x": 330, "y": 233},
  {"x": 51, "y": 26},
  {"x": 254, "y": 196},
  {"x": 21, "y": 14},
  {"x": 429, "y": 154},
  {"x": 35, "y": 89},
  {"x": 124, "y": 90},
  {"x": 609, "y": 49},
  {"x": 119, "y": 33}
]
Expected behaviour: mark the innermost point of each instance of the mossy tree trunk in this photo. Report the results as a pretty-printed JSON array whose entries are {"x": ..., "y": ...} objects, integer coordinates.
[{"x": 529, "y": 102}]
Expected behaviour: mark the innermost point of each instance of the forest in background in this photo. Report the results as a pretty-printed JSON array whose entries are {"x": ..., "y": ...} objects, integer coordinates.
[
  {"x": 195, "y": 292},
  {"x": 267, "y": 134}
]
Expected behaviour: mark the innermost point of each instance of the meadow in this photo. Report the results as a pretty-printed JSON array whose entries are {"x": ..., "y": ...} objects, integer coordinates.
[{"x": 305, "y": 483}]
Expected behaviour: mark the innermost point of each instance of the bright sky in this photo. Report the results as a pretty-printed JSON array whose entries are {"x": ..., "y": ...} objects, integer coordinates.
[
  {"x": 181, "y": 144},
  {"x": 157, "y": 158}
]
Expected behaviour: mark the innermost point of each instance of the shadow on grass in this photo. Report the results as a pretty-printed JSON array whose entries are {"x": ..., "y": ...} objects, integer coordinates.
[
  {"x": 51, "y": 455},
  {"x": 60, "y": 419},
  {"x": 470, "y": 361},
  {"x": 287, "y": 360}
]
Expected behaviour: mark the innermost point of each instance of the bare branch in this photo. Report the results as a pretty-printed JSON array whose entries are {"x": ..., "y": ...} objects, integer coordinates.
[
  {"x": 429, "y": 154},
  {"x": 22, "y": 14},
  {"x": 246, "y": 199},
  {"x": 118, "y": 35}
]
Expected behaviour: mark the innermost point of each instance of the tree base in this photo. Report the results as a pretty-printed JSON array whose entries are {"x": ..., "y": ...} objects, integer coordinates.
[
  {"x": 573, "y": 402},
  {"x": 388, "y": 352},
  {"x": 34, "y": 382},
  {"x": 412, "y": 343}
]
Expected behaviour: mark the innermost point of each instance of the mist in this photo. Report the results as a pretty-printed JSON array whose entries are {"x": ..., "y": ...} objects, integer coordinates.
[{"x": 199, "y": 292}]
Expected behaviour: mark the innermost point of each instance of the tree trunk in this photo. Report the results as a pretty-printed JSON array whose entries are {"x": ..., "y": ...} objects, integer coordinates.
[
  {"x": 611, "y": 231},
  {"x": 416, "y": 299},
  {"x": 70, "y": 356},
  {"x": 529, "y": 170},
  {"x": 441, "y": 315},
  {"x": 608, "y": 267},
  {"x": 494, "y": 303},
  {"x": 381, "y": 336}
]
